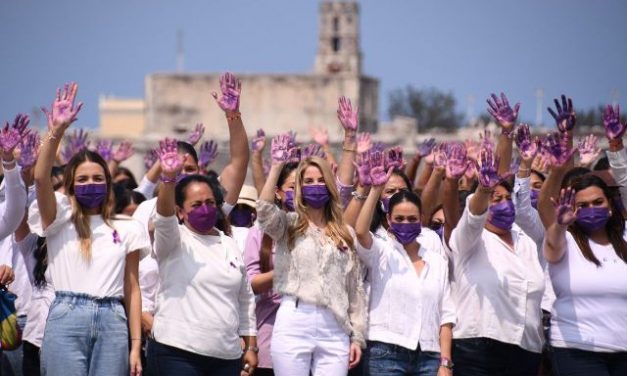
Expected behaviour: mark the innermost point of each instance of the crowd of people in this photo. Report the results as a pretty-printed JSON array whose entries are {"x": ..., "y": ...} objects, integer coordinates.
[{"x": 504, "y": 255}]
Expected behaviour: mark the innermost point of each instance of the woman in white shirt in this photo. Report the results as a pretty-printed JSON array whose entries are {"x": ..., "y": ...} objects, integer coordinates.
[
  {"x": 205, "y": 303},
  {"x": 321, "y": 323},
  {"x": 92, "y": 258},
  {"x": 498, "y": 284},
  {"x": 586, "y": 248},
  {"x": 411, "y": 313}
]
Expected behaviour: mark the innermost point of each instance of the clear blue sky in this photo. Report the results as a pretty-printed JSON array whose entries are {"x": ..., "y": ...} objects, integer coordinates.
[{"x": 578, "y": 47}]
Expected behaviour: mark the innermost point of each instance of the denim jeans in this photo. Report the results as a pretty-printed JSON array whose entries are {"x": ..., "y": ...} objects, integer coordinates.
[
  {"x": 85, "y": 336},
  {"x": 574, "y": 362},
  {"x": 488, "y": 357},
  {"x": 384, "y": 359},
  {"x": 164, "y": 360}
]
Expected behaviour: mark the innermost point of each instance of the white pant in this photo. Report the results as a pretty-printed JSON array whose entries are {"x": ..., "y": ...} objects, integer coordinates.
[{"x": 307, "y": 337}]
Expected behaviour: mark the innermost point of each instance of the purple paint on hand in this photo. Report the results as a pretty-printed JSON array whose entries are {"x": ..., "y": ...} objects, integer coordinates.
[
  {"x": 11, "y": 135},
  {"x": 196, "y": 134},
  {"x": 105, "y": 149},
  {"x": 258, "y": 143},
  {"x": 231, "y": 89},
  {"x": 123, "y": 152},
  {"x": 425, "y": 147},
  {"x": 279, "y": 150},
  {"x": 171, "y": 161},
  {"x": 363, "y": 166},
  {"x": 456, "y": 162},
  {"x": 614, "y": 129},
  {"x": 565, "y": 115},
  {"x": 29, "y": 150},
  {"x": 394, "y": 158},
  {"x": 527, "y": 147},
  {"x": 151, "y": 157},
  {"x": 208, "y": 154},
  {"x": 500, "y": 109},
  {"x": 348, "y": 117}
]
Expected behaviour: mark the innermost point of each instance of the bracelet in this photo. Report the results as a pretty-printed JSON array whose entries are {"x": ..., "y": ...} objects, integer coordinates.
[
  {"x": 508, "y": 133},
  {"x": 446, "y": 362},
  {"x": 524, "y": 169},
  {"x": 358, "y": 197},
  {"x": 136, "y": 339},
  {"x": 254, "y": 349},
  {"x": 166, "y": 179},
  {"x": 349, "y": 149},
  {"x": 10, "y": 163},
  {"x": 234, "y": 116}
]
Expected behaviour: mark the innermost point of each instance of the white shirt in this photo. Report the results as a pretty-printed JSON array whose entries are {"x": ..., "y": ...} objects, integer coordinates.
[
  {"x": 146, "y": 188},
  {"x": 618, "y": 165},
  {"x": 240, "y": 234},
  {"x": 497, "y": 291},
  {"x": 13, "y": 204},
  {"x": 590, "y": 312},
  {"x": 406, "y": 309},
  {"x": 103, "y": 275},
  {"x": 205, "y": 301},
  {"x": 149, "y": 283}
]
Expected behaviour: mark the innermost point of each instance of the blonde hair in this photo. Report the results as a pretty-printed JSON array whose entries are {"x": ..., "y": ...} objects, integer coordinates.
[
  {"x": 335, "y": 227},
  {"x": 79, "y": 218}
]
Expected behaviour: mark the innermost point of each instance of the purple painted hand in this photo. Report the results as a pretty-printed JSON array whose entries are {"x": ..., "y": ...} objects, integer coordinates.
[
  {"x": 151, "y": 157},
  {"x": 394, "y": 158},
  {"x": 208, "y": 154},
  {"x": 313, "y": 150},
  {"x": 105, "y": 149},
  {"x": 29, "y": 150},
  {"x": 231, "y": 89},
  {"x": 456, "y": 162},
  {"x": 472, "y": 149},
  {"x": 292, "y": 139},
  {"x": 439, "y": 156},
  {"x": 555, "y": 149},
  {"x": 527, "y": 147},
  {"x": 196, "y": 134},
  {"x": 486, "y": 140},
  {"x": 279, "y": 150},
  {"x": 295, "y": 154},
  {"x": 266, "y": 166},
  {"x": 362, "y": 166},
  {"x": 75, "y": 142},
  {"x": 588, "y": 150},
  {"x": 123, "y": 152},
  {"x": 565, "y": 207},
  {"x": 10, "y": 136},
  {"x": 378, "y": 174},
  {"x": 258, "y": 143},
  {"x": 500, "y": 109},
  {"x": 364, "y": 142},
  {"x": 425, "y": 147},
  {"x": 62, "y": 113},
  {"x": 320, "y": 135},
  {"x": 611, "y": 121},
  {"x": 171, "y": 161},
  {"x": 347, "y": 116},
  {"x": 565, "y": 116},
  {"x": 488, "y": 171}
]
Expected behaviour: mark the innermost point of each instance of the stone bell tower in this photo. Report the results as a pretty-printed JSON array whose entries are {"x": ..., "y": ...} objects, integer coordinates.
[{"x": 338, "y": 39}]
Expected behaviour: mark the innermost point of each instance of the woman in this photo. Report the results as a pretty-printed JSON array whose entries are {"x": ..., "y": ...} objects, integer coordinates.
[
  {"x": 320, "y": 325},
  {"x": 499, "y": 284},
  {"x": 587, "y": 253},
  {"x": 92, "y": 258},
  {"x": 205, "y": 303},
  {"x": 411, "y": 314},
  {"x": 259, "y": 257}
]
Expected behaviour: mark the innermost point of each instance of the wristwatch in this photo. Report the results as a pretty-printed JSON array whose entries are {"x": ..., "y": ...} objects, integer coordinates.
[
  {"x": 446, "y": 363},
  {"x": 254, "y": 349}
]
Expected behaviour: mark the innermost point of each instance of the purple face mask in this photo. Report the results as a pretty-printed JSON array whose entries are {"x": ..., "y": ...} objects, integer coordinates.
[
  {"x": 385, "y": 204},
  {"x": 90, "y": 195},
  {"x": 316, "y": 196},
  {"x": 289, "y": 201},
  {"x": 406, "y": 232},
  {"x": 241, "y": 217},
  {"x": 502, "y": 215},
  {"x": 534, "y": 198},
  {"x": 203, "y": 218},
  {"x": 592, "y": 219},
  {"x": 438, "y": 229}
]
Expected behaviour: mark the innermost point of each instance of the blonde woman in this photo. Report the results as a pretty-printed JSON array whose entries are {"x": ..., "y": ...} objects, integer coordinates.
[
  {"x": 92, "y": 258},
  {"x": 321, "y": 323}
]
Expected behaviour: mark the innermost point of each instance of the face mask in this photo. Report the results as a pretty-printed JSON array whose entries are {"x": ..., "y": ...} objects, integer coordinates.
[
  {"x": 406, "y": 232},
  {"x": 385, "y": 204},
  {"x": 90, "y": 196},
  {"x": 592, "y": 219},
  {"x": 502, "y": 215},
  {"x": 203, "y": 218},
  {"x": 534, "y": 198},
  {"x": 289, "y": 201},
  {"x": 439, "y": 229},
  {"x": 241, "y": 217},
  {"x": 316, "y": 196}
]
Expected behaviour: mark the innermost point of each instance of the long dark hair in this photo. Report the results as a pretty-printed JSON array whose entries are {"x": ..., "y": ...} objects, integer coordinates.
[
  {"x": 378, "y": 217},
  {"x": 615, "y": 226},
  {"x": 222, "y": 223},
  {"x": 41, "y": 262}
]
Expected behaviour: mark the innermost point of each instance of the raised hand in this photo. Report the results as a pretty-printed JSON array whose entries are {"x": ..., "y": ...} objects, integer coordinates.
[
  {"x": 295, "y": 154},
  {"x": 588, "y": 149},
  {"x": 123, "y": 152},
  {"x": 456, "y": 162},
  {"x": 565, "y": 116},
  {"x": 105, "y": 149},
  {"x": 313, "y": 150},
  {"x": 439, "y": 156},
  {"x": 394, "y": 158},
  {"x": 565, "y": 207},
  {"x": 151, "y": 157},
  {"x": 292, "y": 139},
  {"x": 171, "y": 161},
  {"x": 362, "y": 166},
  {"x": 258, "y": 143},
  {"x": 488, "y": 171},
  {"x": 540, "y": 164},
  {"x": 231, "y": 89},
  {"x": 196, "y": 134},
  {"x": 486, "y": 140},
  {"x": 279, "y": 150},
  {"x": 425, "y": 147},
  {"x": 364, "y": 142},
  {"x": 611, "y": 122},
  {"x": 500, "y": 109},
  {"x": 527, "y": 147},
  {"x": 74, "y": 144},
  {"x": 10, "y": 136},
  {"x": 266, "y": 166},
  {"x": 378, "y": 174},
  {"x": 29, "y": 150},
  {"x": 208, "y": 154},
  {"x": 347, "y": 116},
  {"x": 555, "y": 149},
  {"x": 320, "y": 135},
  {"x": 62, "y": 113},
  {"x": 472, "y": 149}
]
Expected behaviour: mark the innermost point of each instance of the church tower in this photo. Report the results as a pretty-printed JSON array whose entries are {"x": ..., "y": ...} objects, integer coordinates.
[{"x": 338, "y": 39}]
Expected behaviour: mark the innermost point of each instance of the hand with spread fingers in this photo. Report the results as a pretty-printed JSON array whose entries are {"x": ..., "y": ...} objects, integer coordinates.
[
  {"x": 151, "y": 157},
  {"x": 527, "y": 146},
  {"x": 348, "y": 117},
  {"x": 12, "y": 135},
  {"x": 488, "y": 171},
  {"x": 231, "y": 89},
  {"x": 171, "y": 161},
  {"x": 565, "y": 115},
  {"x": 196, "y": 134},
  {"x": 363, "y": 165},
  {"x": 313, "y": 150},
  {"x": 208, "y": 154},
  {"x": 75, "y": 142},
  {"x": 425, "y": 147},
  {"x": 394, "y": 158},
  {"x": 279, "y": 150},
  {"x": 63, "y": 112},
  {"x": 588, "y": 149},
  {"x": 364, "y": 142},
  {"x": 123, "y": 152},
  {"x": 320, "y": 136},
  {"x": 29, "y": 150},
  {"x": 565, "y": 207},
  {"x": 378, "y": 174},
  {"x": 555, "y": 149},
  {"x": 456, "y": 162},
  {"x": 501, "y": 110},
  {"x": 258, "y": 143},
  {"x": 105, "y": 149},
  {"x": 614, "y": 129}
]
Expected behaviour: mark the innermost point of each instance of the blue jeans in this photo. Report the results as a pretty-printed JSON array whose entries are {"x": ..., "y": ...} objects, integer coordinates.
[
  {"x": 488, "y": 357},
  {"x": 574, "y": 362},
  {"x": 85, "y": 336},
  {"x": 384, "y": 359},
  {"x": 164, "y": 360}
]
